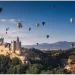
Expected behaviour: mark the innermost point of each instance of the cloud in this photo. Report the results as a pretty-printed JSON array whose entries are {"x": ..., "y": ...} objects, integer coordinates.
[
  {"x": 17, "y": 31},
  {"x": 10, "y": 20},
  {"x": 22, "y": 33},
  {"x": 26, "y": 37}
]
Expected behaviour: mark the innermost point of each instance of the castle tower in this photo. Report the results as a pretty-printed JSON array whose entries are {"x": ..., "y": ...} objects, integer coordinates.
[
  {"x": 18, "y": 46},
  {"x": 17, "y": 43},
  {"x": 13, "y": 46},
  {"x": 17, "y": 38},
  {"x": 1, "y": 40}
]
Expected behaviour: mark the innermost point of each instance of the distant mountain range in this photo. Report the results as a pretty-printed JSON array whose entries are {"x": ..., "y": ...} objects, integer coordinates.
[{"x": 57, "y": 45}]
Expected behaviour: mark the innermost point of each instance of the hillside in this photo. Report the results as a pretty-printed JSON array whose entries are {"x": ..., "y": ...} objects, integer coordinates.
[
  {"x": 57, "y": 45},
  {"x": 53, "y": 61},
  {"x": 48, "y": 62}
]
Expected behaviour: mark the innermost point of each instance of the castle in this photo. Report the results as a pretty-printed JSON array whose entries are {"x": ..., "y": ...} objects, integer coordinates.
[{"x": 12, "y": 49}]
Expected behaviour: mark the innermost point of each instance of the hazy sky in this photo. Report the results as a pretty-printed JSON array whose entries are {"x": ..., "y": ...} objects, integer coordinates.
[{"x": 57, "y": 21}]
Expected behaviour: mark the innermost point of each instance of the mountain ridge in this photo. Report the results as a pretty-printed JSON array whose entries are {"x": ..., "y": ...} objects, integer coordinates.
[{"x": 56, "y": 45}]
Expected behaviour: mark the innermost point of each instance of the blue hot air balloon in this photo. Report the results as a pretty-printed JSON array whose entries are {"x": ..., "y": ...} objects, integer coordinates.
[
  {"x": 43, "y": 23},
  {"x": 1, "y": 9}
]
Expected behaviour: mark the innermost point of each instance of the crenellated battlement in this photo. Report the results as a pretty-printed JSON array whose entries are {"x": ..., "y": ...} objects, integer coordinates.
[{"x": 12, "y": 49}]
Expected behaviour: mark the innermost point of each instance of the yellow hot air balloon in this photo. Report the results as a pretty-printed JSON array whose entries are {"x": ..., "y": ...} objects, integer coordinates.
[{"x": 37, "y": 24}]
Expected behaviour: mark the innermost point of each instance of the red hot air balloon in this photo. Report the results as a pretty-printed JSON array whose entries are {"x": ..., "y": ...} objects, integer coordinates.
[
  {"x": 19, "y": 25},
  {"x": 72, "y": 45},
  {"x": 29, "y": 29}
]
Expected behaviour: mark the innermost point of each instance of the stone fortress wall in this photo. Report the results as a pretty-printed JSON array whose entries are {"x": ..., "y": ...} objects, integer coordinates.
[{"x": 12, "y": 49}]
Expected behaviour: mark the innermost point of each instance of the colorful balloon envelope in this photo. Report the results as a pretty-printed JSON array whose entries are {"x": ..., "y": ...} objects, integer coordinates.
[
  {"x": 71, "y": 20},
  {"x": 72, "y": 44},
  {"x": 19, "y": 25},
  {"x": 37, "y": 24}
]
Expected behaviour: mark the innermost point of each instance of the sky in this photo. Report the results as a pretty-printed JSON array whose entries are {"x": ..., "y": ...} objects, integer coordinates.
[{"x": 57, "y": 21}]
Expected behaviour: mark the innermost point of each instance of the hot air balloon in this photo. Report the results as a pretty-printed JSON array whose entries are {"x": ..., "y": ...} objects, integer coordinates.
[
  {"x": 37, "y": 44},
  {"x": 52, "y": 5},
  {"x": 6, "y": 32},
  {"x": 37, "y": 24},
  {"x": 47, "y": 36},
  {"x": 43, "y": 23},
  {"x": 29, "y": 29},
  {"x": 19, "y": 25},
  {"x": 72, "y": 45},
  {"x": 71, "y": 20},
  {"x": 1, "y": 9},
  {"x": 7, "y": 29}
]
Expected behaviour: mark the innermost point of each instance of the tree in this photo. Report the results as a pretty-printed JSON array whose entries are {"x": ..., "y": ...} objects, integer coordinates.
[
  {"x": 46, "y": 72},
  {"x": 4, "y": 63},
  {"x": 54, "y": 71},
  {"x": 34, "y": 69},
  {"x": 17, "y": 69},
  {"x": 16, "y": 61}
]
